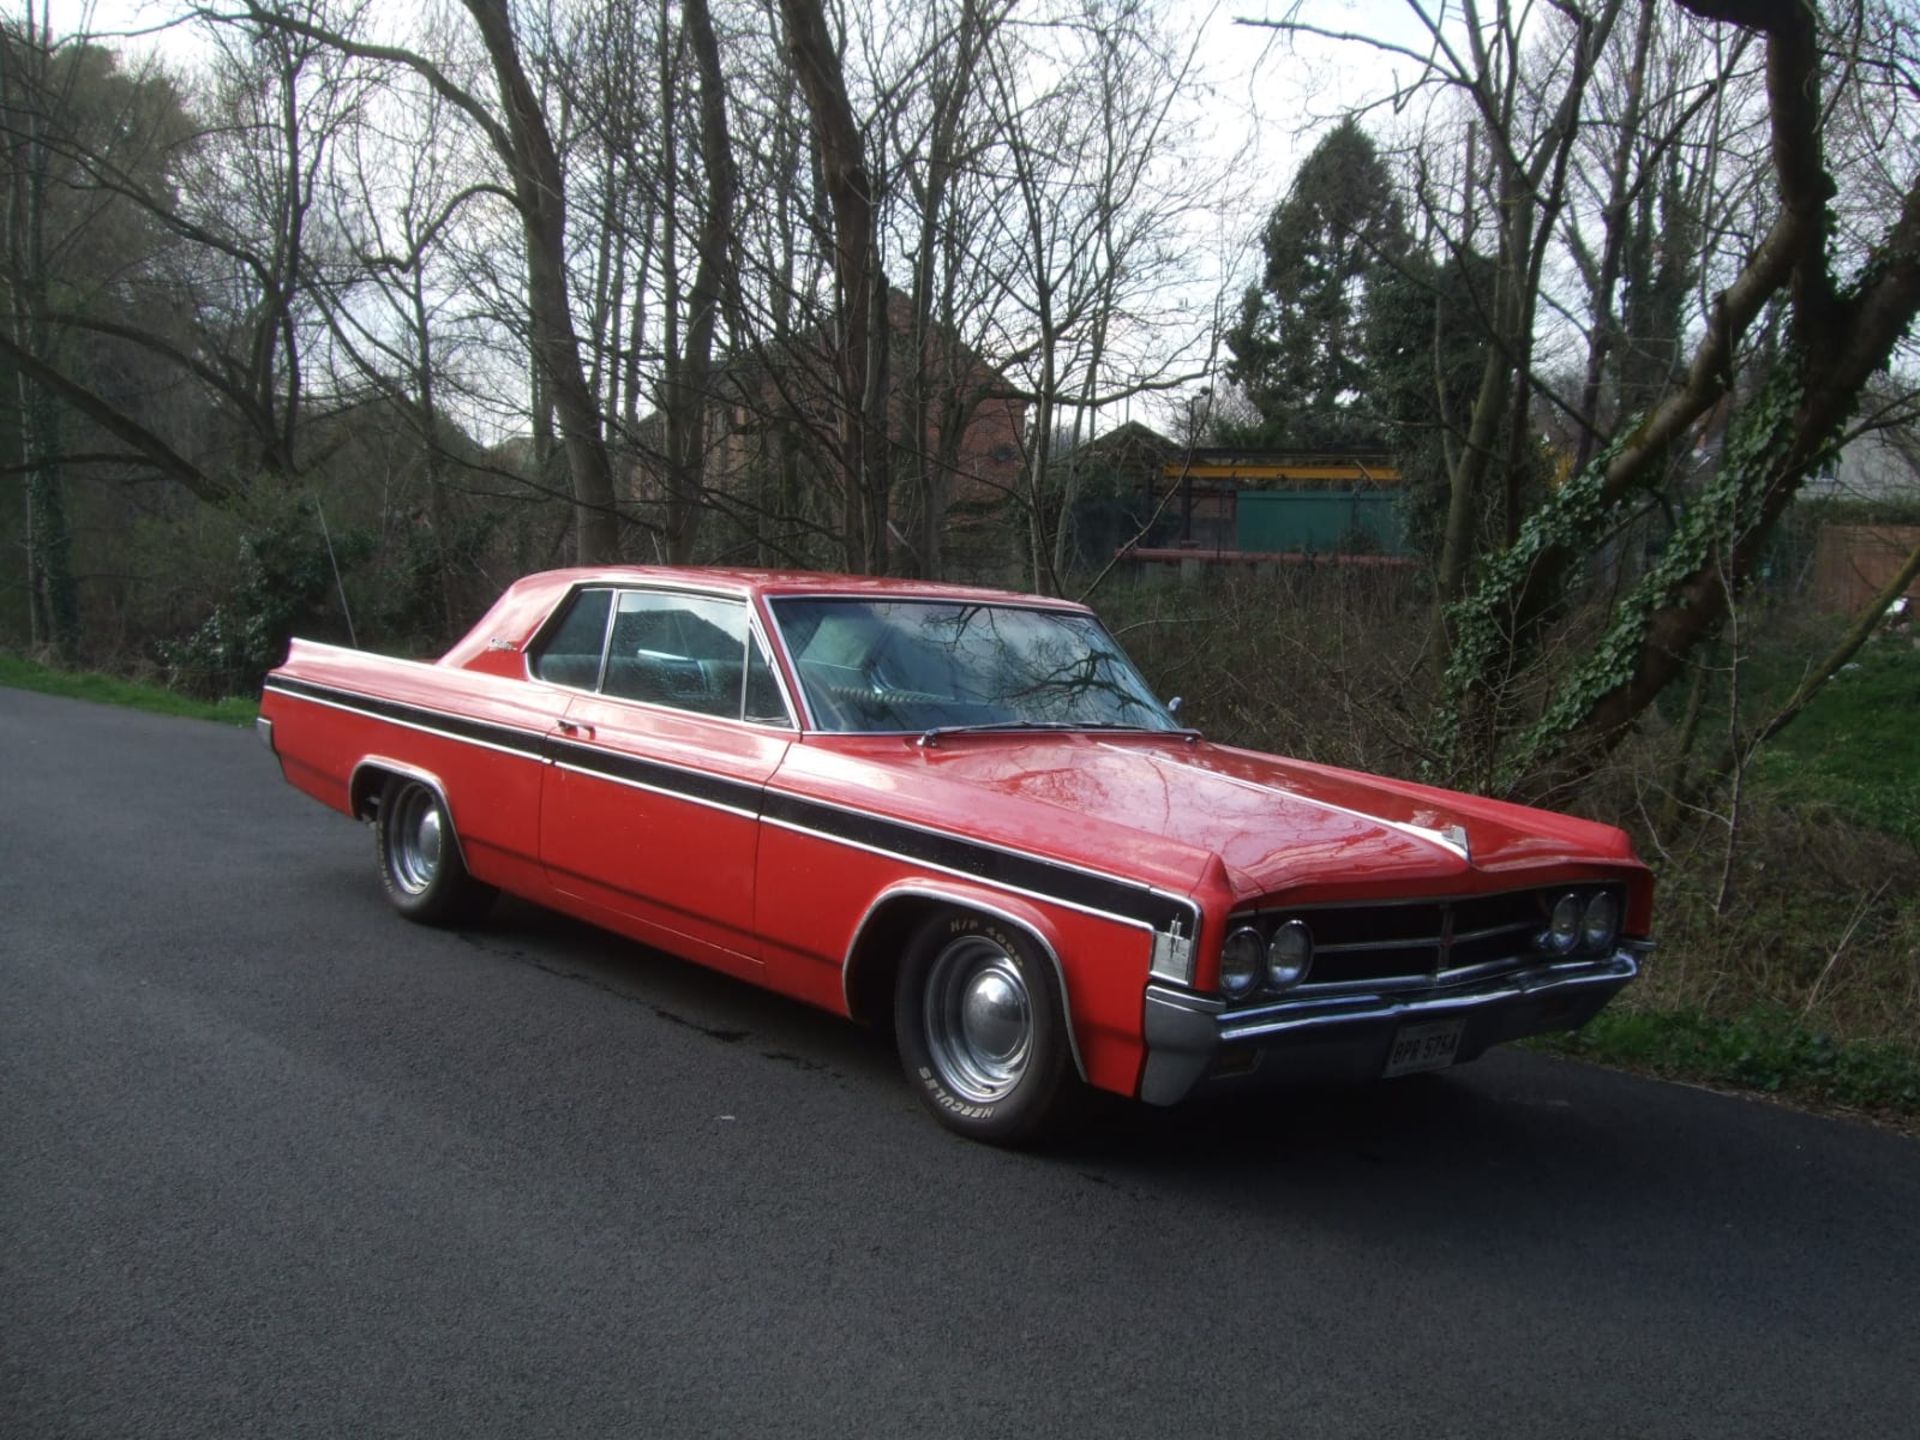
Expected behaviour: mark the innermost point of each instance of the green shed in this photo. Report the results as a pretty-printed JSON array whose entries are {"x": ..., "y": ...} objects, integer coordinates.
[{"x": 1320, "y": 522}]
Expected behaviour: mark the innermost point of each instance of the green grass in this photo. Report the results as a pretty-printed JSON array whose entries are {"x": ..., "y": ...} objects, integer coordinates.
[
  {"x": 1766, "y": 1049},
  {"x": 1856, "y": 749},
  {"x": 24, "y": 674}
]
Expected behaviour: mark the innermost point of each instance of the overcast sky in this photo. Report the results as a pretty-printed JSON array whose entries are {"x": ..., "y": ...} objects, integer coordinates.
[{"x": 1263, "y": 99}]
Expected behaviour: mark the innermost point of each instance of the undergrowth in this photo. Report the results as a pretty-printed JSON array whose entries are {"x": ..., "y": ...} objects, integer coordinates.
[
  {"x": 1769, "y": 1050},
  {"x": 1788, "y": 959}
]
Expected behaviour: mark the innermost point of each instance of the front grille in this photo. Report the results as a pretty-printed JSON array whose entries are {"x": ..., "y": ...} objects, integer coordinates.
[{"x": 1423, "y": 942}]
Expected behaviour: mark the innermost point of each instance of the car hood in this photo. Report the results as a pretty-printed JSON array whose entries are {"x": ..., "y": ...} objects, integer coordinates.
[{"x": 1274, "y": 824}]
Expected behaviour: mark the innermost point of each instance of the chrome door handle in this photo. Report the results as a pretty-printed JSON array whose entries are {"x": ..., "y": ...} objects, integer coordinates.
[{"x": 574, "y": 727}]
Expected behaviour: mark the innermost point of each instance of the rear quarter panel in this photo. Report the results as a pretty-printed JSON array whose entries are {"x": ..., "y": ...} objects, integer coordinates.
[{"x": 476, "y": 734}]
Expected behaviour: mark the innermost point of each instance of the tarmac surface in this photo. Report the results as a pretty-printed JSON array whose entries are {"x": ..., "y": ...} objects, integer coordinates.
[{"x": 275, "y": 1162}]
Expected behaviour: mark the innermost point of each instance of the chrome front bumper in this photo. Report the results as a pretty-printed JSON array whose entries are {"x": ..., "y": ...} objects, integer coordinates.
[{"x": 1195, "y": 1043}]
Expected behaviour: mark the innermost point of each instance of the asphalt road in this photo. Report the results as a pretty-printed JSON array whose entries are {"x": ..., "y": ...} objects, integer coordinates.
[{"x": 274, "y": 1162}]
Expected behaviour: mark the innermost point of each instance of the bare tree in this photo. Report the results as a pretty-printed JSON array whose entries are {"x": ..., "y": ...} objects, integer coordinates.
[
  {"x": 516, "y": 130},
  {"x": 859, "y": 317},
  {"x": 1101, "y": 184},
  {"x": 1774, "y": 410}
]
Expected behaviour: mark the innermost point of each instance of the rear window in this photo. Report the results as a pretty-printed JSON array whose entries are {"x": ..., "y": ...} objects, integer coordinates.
[{"x": 570, "y": 653}]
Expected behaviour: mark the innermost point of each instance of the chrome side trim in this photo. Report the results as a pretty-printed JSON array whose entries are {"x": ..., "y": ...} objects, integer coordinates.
[
  {"x": 412, "y": 772},
  {"x": 923, "y": 892},
  {"x": 263, "y": 727}
]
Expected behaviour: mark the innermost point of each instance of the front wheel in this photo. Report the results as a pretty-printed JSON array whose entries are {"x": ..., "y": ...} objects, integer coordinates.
[
  {"x": 420, "y": 864},
  {"x": 981, "y": 1029}
]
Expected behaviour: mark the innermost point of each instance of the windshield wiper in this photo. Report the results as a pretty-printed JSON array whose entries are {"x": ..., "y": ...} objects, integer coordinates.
[{"x": 931, "y": 737}]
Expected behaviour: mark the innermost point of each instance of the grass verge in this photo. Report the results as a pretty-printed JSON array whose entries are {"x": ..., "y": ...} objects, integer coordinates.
[
  {"x": 23, "y": 674},
  {"x": 1856, "y": 749},
  {"x": 1764, "y": 1049}
]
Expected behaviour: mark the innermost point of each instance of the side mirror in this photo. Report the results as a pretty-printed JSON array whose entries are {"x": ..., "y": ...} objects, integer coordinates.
[{"x": 1173, "y": 705}]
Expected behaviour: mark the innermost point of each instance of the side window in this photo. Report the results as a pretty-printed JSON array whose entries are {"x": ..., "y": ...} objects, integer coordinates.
[
  {"x": 686, "y": 651},
  {"x": 570, "y": 655},
  {"x": 763, "y": 701}
]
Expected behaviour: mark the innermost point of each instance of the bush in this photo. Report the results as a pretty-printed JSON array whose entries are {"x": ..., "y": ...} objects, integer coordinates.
[{"x": 287, "y": 579}]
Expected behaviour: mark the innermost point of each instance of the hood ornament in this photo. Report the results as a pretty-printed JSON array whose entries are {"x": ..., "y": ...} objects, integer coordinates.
[{"x": 1456, "y": 836}]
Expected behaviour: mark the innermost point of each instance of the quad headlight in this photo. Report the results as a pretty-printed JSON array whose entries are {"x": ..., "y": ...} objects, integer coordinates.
[
  {"x": 1587, "y": 922},
  {"x": 1563, "y": 930},
  {"x": 1601, "y": 922},
  {"x": 1290, "y": 955},
  {"x": 1242, "y": 960}
]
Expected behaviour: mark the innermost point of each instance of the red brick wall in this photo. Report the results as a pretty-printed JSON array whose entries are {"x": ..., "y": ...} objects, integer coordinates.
[{"x": 1853, "y": 563}]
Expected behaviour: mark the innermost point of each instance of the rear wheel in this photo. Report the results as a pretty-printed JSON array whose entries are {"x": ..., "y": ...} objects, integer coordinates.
[
  {"x": 420, "y": 864},
  {"x": 981, "y": 1029}
]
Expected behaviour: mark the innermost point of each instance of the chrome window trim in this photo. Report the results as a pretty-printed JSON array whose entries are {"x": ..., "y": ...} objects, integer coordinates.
[
  {"x": 552, "y": 622},
  {"x": 1010, "y": 601},
  {"x": 755, "y": 631},
  {"x": 925, "y": 892},
  {"x": 598, "y": 692},
  {"x": 783, "y": 663}
]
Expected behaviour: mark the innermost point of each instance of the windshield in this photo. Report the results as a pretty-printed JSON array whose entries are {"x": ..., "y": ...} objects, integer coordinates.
[{"x": 902, "y": 665}]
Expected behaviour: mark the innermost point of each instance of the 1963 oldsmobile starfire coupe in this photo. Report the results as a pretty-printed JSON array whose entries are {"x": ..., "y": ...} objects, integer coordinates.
[{"x": 965, "y": 812}]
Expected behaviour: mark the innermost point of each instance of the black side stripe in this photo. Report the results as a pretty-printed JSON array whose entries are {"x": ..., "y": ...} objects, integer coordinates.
[
  {"x": 1046, "y": 878},
  {"x": 985, "y": 862},
  {"x": 505, "y": 737},
  {"x": 694, "y": 784}
]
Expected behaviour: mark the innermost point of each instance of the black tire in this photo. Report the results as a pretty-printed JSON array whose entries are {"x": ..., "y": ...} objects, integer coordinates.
[
  {"x": 420, "y": 864},
  {"x": 981, "y": 1029}
]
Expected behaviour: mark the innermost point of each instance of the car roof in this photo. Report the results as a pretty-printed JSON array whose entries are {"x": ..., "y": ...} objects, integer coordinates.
[{"x": 776, "y": 583}]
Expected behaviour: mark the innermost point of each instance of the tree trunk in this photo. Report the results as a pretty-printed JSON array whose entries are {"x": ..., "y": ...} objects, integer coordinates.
[
  {"x": 860, "y": 368},
  {"x": 539, "y": 192},
  {"x": 690, "y": 400}
]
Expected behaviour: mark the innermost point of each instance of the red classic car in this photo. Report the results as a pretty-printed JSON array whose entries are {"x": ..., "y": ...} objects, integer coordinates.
[{"x": 964, "y": 813}]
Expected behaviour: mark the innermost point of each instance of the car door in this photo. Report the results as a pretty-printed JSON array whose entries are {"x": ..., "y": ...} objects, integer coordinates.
[{"x": 650, "y": 811}]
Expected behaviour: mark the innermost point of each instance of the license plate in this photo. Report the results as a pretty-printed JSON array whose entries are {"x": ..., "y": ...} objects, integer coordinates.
[{"x": 1431, "y": 1046}]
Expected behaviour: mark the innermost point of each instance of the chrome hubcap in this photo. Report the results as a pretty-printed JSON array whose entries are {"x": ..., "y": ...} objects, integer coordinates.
[
  {"x": 414, "y": 839},
  {"x": 979, "y": 1019}
]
